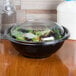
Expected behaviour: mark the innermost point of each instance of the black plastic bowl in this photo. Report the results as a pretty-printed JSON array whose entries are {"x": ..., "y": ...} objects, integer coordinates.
[{"x": 38, "y": 50}]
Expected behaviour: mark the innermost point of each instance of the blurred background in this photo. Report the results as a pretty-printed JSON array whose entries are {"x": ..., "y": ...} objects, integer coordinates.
[{"x": 29, "y": 9}]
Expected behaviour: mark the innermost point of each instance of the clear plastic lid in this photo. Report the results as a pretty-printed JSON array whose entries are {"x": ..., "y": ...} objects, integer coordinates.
[{"x": 37, "y": 31}]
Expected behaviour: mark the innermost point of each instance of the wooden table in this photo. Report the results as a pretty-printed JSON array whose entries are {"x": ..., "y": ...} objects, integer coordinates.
[{"x": 13, "y": 64}]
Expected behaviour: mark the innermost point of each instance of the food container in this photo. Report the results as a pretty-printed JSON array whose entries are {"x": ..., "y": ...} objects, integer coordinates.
[{"x": 37, "y": 39}]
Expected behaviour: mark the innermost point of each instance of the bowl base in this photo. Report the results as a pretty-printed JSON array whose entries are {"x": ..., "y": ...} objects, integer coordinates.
[{"x": 36, "y": 57}]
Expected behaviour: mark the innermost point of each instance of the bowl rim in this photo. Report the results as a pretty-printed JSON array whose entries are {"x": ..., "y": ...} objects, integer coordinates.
[{"x": 66, "y": 36}]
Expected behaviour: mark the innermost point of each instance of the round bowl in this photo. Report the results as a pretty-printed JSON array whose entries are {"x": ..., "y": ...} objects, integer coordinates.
[{"x": 38, "y": 49}]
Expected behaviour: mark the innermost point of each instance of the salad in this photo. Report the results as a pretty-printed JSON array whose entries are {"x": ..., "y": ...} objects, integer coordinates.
[{"x": 48, "y": 34}]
